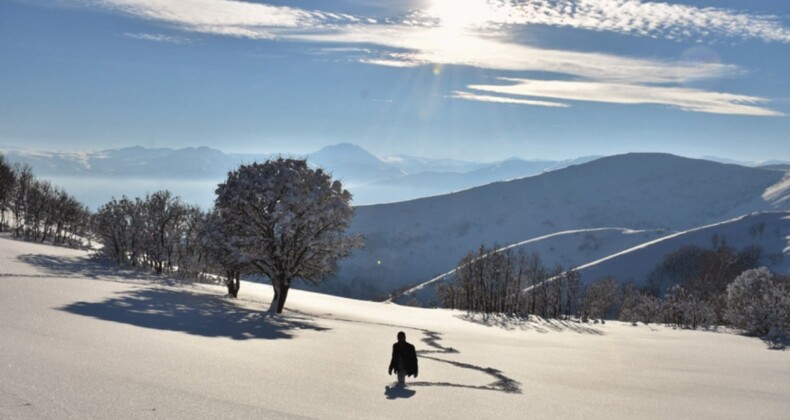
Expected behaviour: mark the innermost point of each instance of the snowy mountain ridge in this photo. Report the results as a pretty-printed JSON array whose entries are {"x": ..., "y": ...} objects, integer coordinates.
[{"x": 411, "y": 242}]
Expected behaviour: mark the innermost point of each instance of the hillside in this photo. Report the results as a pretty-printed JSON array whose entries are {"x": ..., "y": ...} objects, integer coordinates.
[
  {"x": 84, "y": 339},
  {"x": 567, "y": 249},
  {"x": 769, "y": 231},
  {"x": 429, "y": 183},
  {"x": 410, "y": 242}
]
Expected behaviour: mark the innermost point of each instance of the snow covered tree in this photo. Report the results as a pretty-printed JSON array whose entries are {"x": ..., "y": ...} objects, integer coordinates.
[
  {"x": 759, "y": 303},
  {"x": 686, "y": 309},
  {"x": 165, "y": 215},
  {"x": 571, "y": 283},
  {"x": 111, "y": 227},
  {"x": 599, "y": 298},
  {"x": 7, "y": 181},
  {"x": 290, "y": 221},
  {"x": 220, "y": 244},
  {"x": 640, "y": 307}
]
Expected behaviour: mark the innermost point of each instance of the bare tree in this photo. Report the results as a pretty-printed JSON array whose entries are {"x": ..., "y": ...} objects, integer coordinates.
[
  {"x": 7, "y": 185},
  {"x": 599, "y": 298}
]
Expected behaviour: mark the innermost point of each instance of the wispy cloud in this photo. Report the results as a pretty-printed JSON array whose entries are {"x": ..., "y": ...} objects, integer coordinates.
[
  {"x": 467, "y": 47},
  {"x": 170, "y": 39},
  {"x": 636, "y": 17},
  {"x": 683, "y": 98},
  {"x": 224, "y": 17},
  {"x": 476, "y": 33},
  {"x": 655, "y": 19},
  {"x": 504, "y": 100}
]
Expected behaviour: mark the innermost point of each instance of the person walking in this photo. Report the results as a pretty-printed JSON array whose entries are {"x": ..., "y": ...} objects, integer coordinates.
[{"x": 404, "y": 359}]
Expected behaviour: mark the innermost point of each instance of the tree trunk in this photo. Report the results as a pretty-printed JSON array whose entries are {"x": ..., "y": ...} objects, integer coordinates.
[
  {"x": 283, "y": 294},
  {"x": 233, "y": 283},
  {"x": 280, "y": 294}
]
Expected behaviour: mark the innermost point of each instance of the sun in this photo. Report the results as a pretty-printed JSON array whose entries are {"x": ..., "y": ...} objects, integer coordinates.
[{"x": 459, "y": 14}]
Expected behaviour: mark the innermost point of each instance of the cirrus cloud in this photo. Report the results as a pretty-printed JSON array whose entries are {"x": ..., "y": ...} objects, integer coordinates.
[
  {"x": 442, "y": 35},
  {"x": 687, "y": 99}
]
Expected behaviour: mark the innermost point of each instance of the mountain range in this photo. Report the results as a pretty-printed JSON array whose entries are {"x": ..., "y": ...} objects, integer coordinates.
[
  {"x": 639, "y": 197},
  {"x": 371, "y": 179}
]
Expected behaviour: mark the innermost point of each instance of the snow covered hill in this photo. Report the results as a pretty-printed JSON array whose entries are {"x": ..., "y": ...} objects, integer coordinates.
[
  {"x": 83, "y": 339},
  {"x": 770, "y": 231},
  {"x": 567, "y": 249},
  {"x": 432, "y": 182},
  {"x": 411, "y": 242}
]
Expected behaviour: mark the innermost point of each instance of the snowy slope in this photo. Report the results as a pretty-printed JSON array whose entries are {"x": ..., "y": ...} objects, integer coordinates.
[
  {"x": 567, "y": 249},
  {"x": 432, "y": 182},
  {"x": 637, "y": 263},
  {"x": 411, "y": 242},
  {"x": 83, "y": 340}
]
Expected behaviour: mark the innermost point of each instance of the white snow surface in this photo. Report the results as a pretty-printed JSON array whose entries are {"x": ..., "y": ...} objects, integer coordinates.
[{"x": 83, "y": 339}]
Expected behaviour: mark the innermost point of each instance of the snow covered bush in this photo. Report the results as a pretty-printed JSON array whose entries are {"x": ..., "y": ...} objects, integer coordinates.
[
  {"x": 640, "y": 308},
  {"x": 599, "y": 299},
  {"x": 759, "y": 303},
  {"x": 158, "y": 231},
  {"x": 686, "y": 309},
  {"x": 285, "y": 221}
]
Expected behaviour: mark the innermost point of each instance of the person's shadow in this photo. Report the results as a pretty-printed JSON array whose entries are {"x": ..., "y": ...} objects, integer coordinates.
[{"x": 398, "y": 391}]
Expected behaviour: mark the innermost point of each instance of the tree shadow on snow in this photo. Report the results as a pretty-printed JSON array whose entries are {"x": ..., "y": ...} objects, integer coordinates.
[
  {"x": 88, "y": 267},
  {"x": 192, "y": 313},
  {"x": 393, "y": 392},
  {"x": 541, "y": 325}
]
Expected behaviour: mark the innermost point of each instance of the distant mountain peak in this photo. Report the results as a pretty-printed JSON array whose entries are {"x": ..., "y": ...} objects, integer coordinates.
[{"x": 345, "y": 153}]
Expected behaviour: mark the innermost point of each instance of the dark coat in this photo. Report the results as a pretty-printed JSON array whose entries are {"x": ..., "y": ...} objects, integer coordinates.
[{"x": 406, "y": 352}]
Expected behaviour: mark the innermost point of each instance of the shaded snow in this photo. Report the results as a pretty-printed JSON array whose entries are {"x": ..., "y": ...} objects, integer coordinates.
[
  {"x": 636, "y": 264},
  {"x": 82, "y": 339}
]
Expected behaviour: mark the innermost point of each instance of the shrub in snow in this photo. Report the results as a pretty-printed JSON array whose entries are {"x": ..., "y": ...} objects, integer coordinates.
[
  {"x": 686, "y": 309},
  {"x": 599, "y": 299},
  {"x": 285, "y": 221},
  {"x": 158, "y": 231},
  {"x": 759, "y": 303},
  {"x": 640, "y": 308}
]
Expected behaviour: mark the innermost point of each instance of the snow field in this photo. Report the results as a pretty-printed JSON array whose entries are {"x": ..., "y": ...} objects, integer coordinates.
[{"x": 81, "y": 339}]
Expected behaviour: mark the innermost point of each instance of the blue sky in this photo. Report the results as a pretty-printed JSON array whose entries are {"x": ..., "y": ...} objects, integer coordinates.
[{"x": 466, "y": 79}]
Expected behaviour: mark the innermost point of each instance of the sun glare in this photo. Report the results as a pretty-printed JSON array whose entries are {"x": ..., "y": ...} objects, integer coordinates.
[{"x": 464, "y": 13}]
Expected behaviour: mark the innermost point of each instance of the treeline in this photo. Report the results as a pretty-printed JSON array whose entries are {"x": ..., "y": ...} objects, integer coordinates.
[
  {"x": 690, "y": 288},
  {"x": 34, "y": 209},
  {"x": 158, "y": 232},
  {"x": 509, "y": 281},
  {"x": 280, "y": 219}
]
